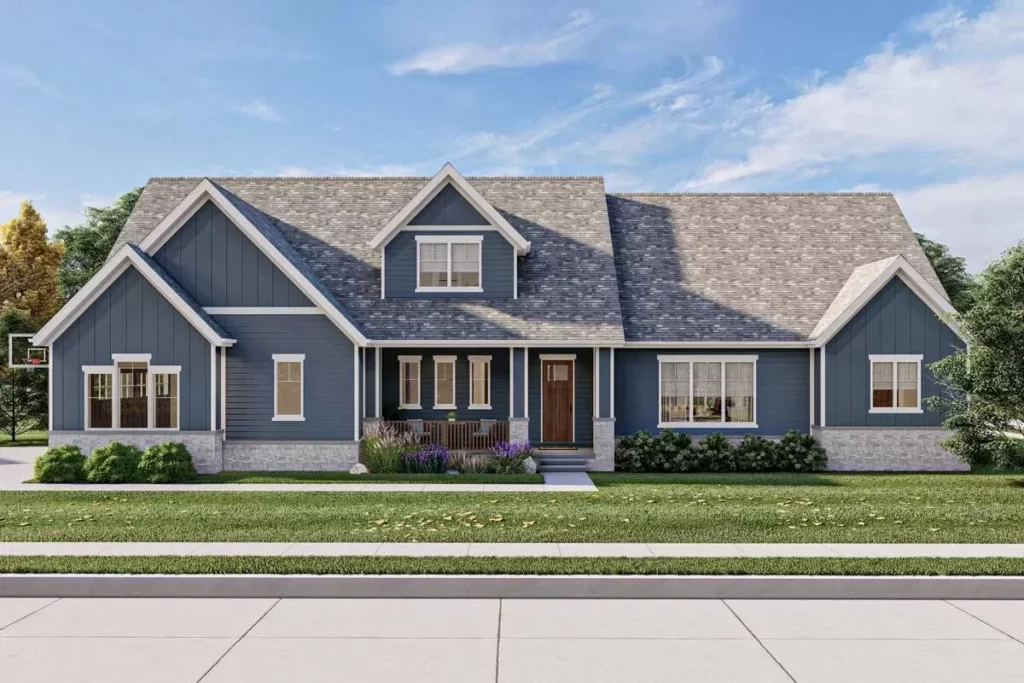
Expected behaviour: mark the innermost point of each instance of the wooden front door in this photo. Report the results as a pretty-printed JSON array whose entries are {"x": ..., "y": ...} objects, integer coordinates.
[{"x": 557, "y": 394}]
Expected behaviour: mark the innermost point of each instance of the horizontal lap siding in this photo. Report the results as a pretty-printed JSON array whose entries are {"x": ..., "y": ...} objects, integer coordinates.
[
  {"x": 496, "y": 267},
  {"x": 782, "y": 396},
  {"x": 130, "y": 317},
  {"x": 499, "y": 384},
  {"x": 583, "y": 405},
  {"x": 328, "y": 379},
  {"x": 895, "y": 321},
  {"x": 219, "y": 266}
]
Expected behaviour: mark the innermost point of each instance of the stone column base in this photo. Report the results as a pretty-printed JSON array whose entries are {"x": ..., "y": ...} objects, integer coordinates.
[
  {"x": 519, "y": 429},
  {"x": 604, "y": 445},
  {"x": 206, "y": 447},
  {"x": 889, "y": 449},
  {"x": 308, "y": 456}
]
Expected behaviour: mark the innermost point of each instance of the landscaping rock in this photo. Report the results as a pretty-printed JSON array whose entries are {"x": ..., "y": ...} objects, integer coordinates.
[
  {"x": 530, "y": 466},
  {"x": 452, "y": 472},
  {"x": 359, "y": 468}
]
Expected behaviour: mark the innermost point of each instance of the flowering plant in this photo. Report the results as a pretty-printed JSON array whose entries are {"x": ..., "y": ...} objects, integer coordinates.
[
  {"x": 430, "y": 459},
  {"x": 508, "y": 457}
]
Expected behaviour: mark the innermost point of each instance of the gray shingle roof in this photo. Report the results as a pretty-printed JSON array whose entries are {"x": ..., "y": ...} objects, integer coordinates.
[
  {"x": 860, "y": 279},
  {"x": 747, "y": 267},
  {"x": 567, "y": 287}
]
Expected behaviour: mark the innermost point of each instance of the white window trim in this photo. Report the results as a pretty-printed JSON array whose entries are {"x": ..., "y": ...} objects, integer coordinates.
[
  {"x": 894, "y": 359},
  {"x": 417, "y": 361},
  {"x": 490, "y": 378},
  {"x": 299, "y": 358},
  {"x": 115, "y": 417},
  {"x": 437, "y": 361},
  {"x": 722, "y": 424},
  {"x": 450, "y": 240}
]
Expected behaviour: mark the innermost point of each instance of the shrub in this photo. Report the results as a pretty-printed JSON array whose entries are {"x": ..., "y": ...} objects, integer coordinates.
[
  {"x": 1007, "y": 454},
  {"x": 384, "y": 446},
  {"x": 713, "y": 453},
  {"x": 509, "y": 457},
  {"x": 115, "y": 463},
  {"x": 428, "y": 460},
  {"x": 676, "y": 450},
  {"x": 641, "y": 452},
  {"x": 756, "y": 454},
  {"x": 60, "y": 465},
  {"x": 166, "y": 463},
  {"x": 798, "y": 452},
  {"x": 467, "y": 463}
]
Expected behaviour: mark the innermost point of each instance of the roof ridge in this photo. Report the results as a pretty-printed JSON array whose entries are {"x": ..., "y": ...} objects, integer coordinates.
[
  {"x": 751, "y": 194},
  {"x": 379, "y": 177}
]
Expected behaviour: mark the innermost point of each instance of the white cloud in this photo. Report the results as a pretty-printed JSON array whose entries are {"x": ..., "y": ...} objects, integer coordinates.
[
  {"x": 558, "y": 45},
  {"x": 56, "y": 214},
  {"x": 24, "y": 77},
  {"x": 259, "y": 109},
  {"x": 957, "y": 98}
]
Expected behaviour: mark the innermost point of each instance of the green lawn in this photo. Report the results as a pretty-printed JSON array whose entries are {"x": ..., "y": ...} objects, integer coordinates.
[
  {"x": 30, "y": 438},
  {"x": 514, "y": 565},
  {"x": 346, "y": 478},
  {"x": 814, "y": 508}
]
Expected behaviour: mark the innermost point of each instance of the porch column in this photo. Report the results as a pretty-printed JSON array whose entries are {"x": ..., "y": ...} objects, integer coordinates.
[
  {"x": 604, "y": 420},
  {"x": 518, "y": 422},
  {"x": 371, "y": 388}
]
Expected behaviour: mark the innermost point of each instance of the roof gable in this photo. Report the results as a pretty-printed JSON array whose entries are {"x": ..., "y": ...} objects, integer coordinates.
[
  {"x": 449, "y": 177},
  {"x": 448, "y": 207}
]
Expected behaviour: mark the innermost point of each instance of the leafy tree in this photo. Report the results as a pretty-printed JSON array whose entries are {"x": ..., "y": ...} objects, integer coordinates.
[
  {"x": 23, "y": 392},
  {"x": 28, "y": 267},
  {"x": 985, "y": 407},
  {"x": 952, "y": 272},
  {"x": 86, "y": 246}
]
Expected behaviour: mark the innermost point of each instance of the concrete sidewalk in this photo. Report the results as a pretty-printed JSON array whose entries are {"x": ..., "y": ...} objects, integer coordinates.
[{"x": 647, "y": 550}]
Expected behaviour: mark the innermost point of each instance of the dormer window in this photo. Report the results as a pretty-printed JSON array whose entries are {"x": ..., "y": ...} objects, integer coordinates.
[{"x": 448, "y": 263}]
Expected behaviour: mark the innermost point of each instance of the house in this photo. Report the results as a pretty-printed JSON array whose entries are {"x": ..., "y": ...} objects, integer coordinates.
[{"x": 268, "y": 322}]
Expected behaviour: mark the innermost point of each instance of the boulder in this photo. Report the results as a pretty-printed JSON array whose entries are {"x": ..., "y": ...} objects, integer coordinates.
[
  {"x": 530, "y": 466},
  {"x": 359, "y": 468}
]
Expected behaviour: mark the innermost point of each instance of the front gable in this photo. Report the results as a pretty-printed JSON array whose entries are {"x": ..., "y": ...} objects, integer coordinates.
[
  {"x": 449, "y": 207},
  {"x": 219, "y": 266}
]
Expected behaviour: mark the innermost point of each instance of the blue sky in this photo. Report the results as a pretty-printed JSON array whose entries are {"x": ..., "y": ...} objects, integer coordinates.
[{"x": 922, "y": 98}]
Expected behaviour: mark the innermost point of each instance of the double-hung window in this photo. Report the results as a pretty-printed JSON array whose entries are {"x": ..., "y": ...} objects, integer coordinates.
[
  {"x": 288, "y": 387},
  {"x": 409, "y": 382},
  {"x": 444, "y": 382},
  {"x": 895, "y": 383},
  {"x": 132, "y": 394},
  {"x": 707, "y": 390},
  {"x": 479, "y": 382},
  {"x": 448, "y": 263}
]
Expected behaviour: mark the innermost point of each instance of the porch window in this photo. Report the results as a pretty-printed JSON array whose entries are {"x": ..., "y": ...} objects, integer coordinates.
[
  {"x": 409, "y": 382},
  {"x": 448, "y": 263},
  {"x": 479, "y": 382},
  {"x": 288, "y": 386},
  {"x": 99, "y": 413},
  {"x": 895, "y": 383},
  {"x": 707, "y": 390},
  {"x": 444, "y": 382}
]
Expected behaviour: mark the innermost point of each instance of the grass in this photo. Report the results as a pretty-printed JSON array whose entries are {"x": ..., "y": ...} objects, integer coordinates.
[
  {"x": 29, "y": 438},
  {"x": 346, "y": 478},
  {"x": 802, "y": 566},
  {"x": 782, "y": 508}
]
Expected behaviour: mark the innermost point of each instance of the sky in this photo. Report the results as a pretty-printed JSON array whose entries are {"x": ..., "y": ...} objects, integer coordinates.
[{"x": 921, "y": 98}]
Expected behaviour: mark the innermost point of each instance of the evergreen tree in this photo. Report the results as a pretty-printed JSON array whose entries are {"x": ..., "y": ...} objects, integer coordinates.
[{"x": 952, "y": 272}]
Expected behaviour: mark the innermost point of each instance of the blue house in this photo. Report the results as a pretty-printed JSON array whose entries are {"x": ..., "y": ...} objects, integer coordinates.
[{"x": 270, "y": 323}]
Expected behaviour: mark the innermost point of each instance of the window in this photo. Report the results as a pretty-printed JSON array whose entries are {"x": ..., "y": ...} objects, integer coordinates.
[
  {"x": 288, "y": 380},
  {"x": 479, "y": 382},
  {"x": 444, "y": 382},
  {"x": 409, "y": 382},
  {"x": 132, "y": 394},
  {"x": 711, "y": 390},
  {"x": 99, "y": 413},
  {"x": 446, "y": 263},
  {"x": 895, "y": 384}
]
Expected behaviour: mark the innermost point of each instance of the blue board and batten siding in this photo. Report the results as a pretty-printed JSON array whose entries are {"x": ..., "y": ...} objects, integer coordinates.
[
  {"x": 497, "y": 270},
  {"x": 448, "y": 207},
  {"x": 328, "y": 378},
  {"x": 782, "y": 395},
  {"x": 895, "y": 321},
  {"x": 130, "y": 316},
  {"x": 499, "y": 385},
  {"x": 218, "y": 265}
]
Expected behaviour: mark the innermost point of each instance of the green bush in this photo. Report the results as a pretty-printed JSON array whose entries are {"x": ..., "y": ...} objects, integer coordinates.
[
  {"x": 756, "y": 454},
  {"x": 166, "y": 463},
  {"x": 1007, "y": 454},
  {"x": 798, "y": 452},
  {"x": 713, "y": 453},
  {"x": 383, "y": 447},
  {"x": 115, "y": 463},
  {"x": 641, "y": 452},
  {"x": 60, "y": 465}
]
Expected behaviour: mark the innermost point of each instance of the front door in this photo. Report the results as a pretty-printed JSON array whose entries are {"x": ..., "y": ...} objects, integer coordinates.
[{"x": 557, "y": 395}]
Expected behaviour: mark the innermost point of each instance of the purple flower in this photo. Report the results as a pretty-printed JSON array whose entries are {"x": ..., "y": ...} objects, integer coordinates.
[{"x": 512, "y": 449}]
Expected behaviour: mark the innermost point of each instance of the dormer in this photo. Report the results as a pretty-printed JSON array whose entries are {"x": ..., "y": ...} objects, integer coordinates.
[{"x": 449, "y": 242}]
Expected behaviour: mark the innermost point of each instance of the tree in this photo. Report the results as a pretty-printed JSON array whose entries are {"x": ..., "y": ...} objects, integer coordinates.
[
  {"x": 28, "y": 267},
  {"x": 985, "y": 381},
  {"x": 87, "y": 246},
  {"x": 952, "y": 272},
  {"x": 23, "y": 392}
]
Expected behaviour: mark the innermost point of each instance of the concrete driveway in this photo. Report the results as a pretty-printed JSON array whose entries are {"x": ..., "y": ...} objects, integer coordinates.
[
  {"x": 16, "y": 463},
  {"x": 508, "y": 641}
]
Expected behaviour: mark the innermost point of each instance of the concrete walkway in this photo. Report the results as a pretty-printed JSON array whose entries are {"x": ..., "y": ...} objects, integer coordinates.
[
  {"x": 170, "y": 640},
  {"x": 648, "y": 550}
]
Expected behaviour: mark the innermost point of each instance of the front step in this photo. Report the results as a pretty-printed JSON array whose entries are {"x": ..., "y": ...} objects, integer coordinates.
[{"x": 561, "y": 463}]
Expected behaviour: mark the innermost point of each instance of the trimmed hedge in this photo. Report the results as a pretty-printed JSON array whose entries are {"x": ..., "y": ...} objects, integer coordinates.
[
  {"x": 115, "y": 463},
  {"x": 670, "y": 451},
  {"x": 60, "y": 465},
  {"x": 166, "y": 463}
]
